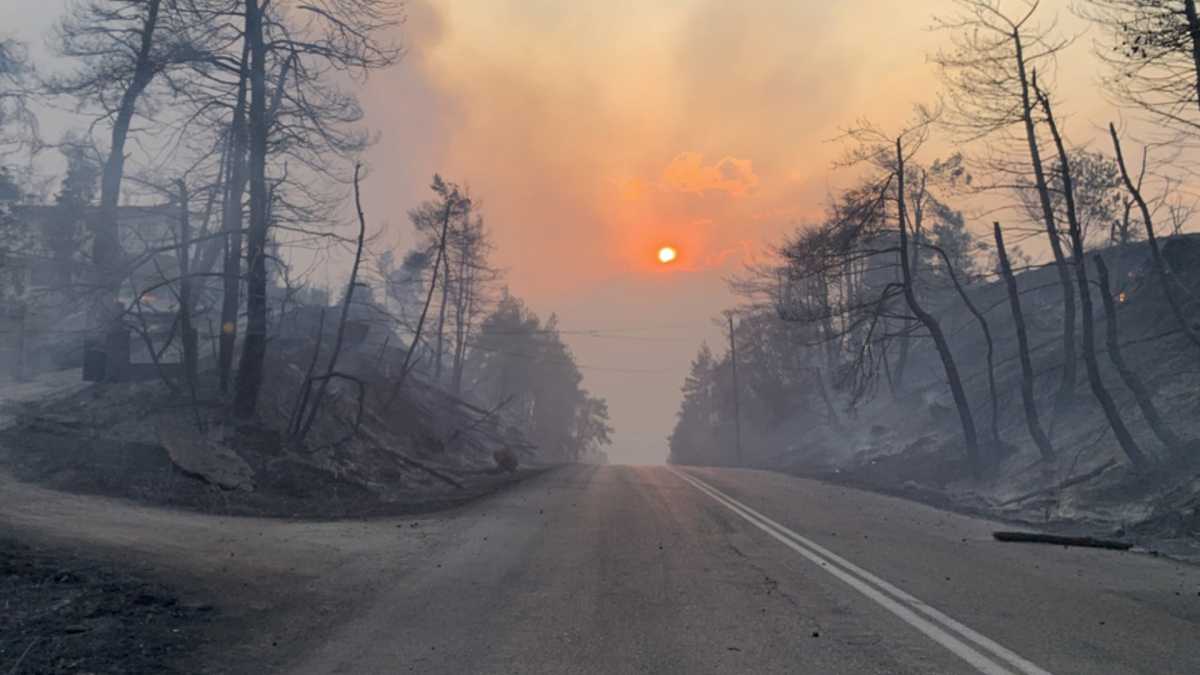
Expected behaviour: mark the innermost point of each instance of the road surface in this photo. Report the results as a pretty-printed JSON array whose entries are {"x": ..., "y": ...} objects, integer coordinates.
[
  {"x": 647, "y": 570},
  {"x": 650, "y": 570}
]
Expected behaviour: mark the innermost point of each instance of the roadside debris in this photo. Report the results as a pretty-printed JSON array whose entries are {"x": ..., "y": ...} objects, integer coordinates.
[{"x": 1040, "y": 538}]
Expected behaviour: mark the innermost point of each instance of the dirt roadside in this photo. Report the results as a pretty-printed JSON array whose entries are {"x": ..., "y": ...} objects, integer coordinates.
[
  {"x": 246, "y": 590},
  {"x": 114, "y": 560},
  {"x": 1146, "y": 537}
]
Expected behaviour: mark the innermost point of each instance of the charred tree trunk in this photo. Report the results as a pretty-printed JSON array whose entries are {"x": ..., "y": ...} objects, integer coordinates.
[
  {"x": 987, "y": 336},
  {"x": 254, "y": 347},
  {"x": 1014, "y": 301},
  {"x": 231, "y": 225},
  {"x": 439, "y": 349},
  {"x": 1066, "y": 389},
  {"x": 106, "y": 243},
  {"x": 441, "y": 327},
  {"x": 185, "y": 293},
  {"x": 461, "y": 300},
  {"x": 331, "y": 369},
  {"x": 451, "y": 200},
  {"x": 297, "y": 416},
  {"x": 1193, "y": 24},
  {"x": 1128, "y": 443},
  {"x": 915, "y": 265},
  {"x": 935, "y": 330},
  {"x": 1160, "y": 266},
  {"x": 460, "y": 354},
  {"x": 1134, "y": 383}
]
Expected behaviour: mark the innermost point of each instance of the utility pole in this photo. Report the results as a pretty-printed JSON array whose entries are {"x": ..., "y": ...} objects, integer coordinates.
[{"x": 737, "y": 412}]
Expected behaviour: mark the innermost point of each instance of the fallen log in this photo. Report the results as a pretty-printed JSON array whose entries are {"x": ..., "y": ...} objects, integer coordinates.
[{"x": 1040, "y": 538}]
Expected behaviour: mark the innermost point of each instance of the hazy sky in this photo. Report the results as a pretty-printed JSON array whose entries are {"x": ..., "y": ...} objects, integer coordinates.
[{"x": 595, "y": 131}]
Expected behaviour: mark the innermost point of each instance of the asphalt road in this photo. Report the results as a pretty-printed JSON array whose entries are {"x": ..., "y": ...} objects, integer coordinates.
[{"x": 654, "y": 570}]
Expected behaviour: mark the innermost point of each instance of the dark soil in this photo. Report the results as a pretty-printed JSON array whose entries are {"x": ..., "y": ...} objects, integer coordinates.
[{"x": 63, "y": 614}]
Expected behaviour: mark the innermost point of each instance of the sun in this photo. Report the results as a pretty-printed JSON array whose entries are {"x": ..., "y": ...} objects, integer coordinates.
[{"x": 667, "y": 254}]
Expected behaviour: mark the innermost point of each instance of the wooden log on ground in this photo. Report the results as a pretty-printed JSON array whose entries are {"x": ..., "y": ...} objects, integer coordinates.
[{"x": 1040, "y": 538}]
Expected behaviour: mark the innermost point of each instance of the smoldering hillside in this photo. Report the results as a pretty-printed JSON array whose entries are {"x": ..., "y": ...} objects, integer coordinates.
[{"x": 894, "y": 427}]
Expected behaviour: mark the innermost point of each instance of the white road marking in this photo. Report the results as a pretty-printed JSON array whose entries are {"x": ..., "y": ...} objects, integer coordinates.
[{"x": 891, "y": 598}]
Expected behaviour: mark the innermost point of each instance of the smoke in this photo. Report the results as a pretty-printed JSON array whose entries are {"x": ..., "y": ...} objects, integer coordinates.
[
  {"x": 595, "y": 132},
  {"x": 688, "y": 173}
]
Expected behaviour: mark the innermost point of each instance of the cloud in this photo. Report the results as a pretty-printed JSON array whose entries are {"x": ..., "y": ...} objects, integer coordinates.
[{"x": 688, "y": 173}]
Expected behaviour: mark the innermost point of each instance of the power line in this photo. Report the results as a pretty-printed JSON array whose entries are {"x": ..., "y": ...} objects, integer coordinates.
[{"x": 567, "y": 362}]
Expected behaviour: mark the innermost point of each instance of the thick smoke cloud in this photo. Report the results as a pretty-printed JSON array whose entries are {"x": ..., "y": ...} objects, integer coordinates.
[{"x": 596, "y": 131}]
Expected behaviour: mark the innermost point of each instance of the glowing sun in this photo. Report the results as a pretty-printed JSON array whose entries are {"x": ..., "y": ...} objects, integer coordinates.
[{"x": 667, "y": 255}]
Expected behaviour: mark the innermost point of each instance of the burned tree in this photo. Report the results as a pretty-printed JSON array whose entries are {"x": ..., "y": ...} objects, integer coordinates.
[
  {"x": 462, "y": 274},
  {"x": 1161, "y": 269},
  {"x": 1153, "y": 52},
  {"x": 987, "y": 338},
  {"x": 1128, "y": 444},
  {"x": 254, "y": 347},
  {"x": 919, "y": 186},
  {"x": 121, "y": 47},
  {"x": 1131, "y": 379},
  {"x": 18, "y": 124},
  {"x": 443, "y": 306},
  {"x": 471, "y": 247},
  {"x": 1014, "y": 302},
  {"x": 183, "y": 254},
  {"x": 304, "y": 418},
  {"x": 931, "y": 324},
  {"x": 231, "y": 224},
  {"x": 450, "y": 204},
  {"x": 311, "y": 122},
  {"x": 990, "y": 74}
]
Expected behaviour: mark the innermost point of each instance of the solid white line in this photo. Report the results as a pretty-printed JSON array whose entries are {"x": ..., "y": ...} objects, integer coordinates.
[
  {"x": 885, "y": 594},
  {"x": 1016, "y": 660}
]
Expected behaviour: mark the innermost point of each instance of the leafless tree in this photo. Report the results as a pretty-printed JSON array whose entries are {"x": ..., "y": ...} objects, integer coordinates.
[
  {"x": 473, "y": 284},
  {"x": 444, "y": 256},
  {"x": 984, "y": 328},
  {"x": 1161, "y": 269},
  {"x": 1014, "y": 301},
  {"x": 313, "y": 41},
  {"x": 450, "y": 204},
  {"x": 188, "y": 331},
  {"x": 931, "y": 324},
  {"x": 990, "y": 73},
  {"x": 1132, "y": 381},
  {"x": 1113, "y": 414},
  {"x": 305, "y": 423},
  {"x": 120, "y": 48},
  {"x": 840, "y": 277},
  {"x": 1153, "y": 51},
  {"x": 234, "y": 168},
  {"x": 18, "y": 124},
  {"x": 254, "y": 347}
]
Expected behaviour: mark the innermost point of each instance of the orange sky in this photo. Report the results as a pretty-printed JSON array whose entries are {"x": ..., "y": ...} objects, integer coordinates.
[{"x": 595, "y": 131}]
